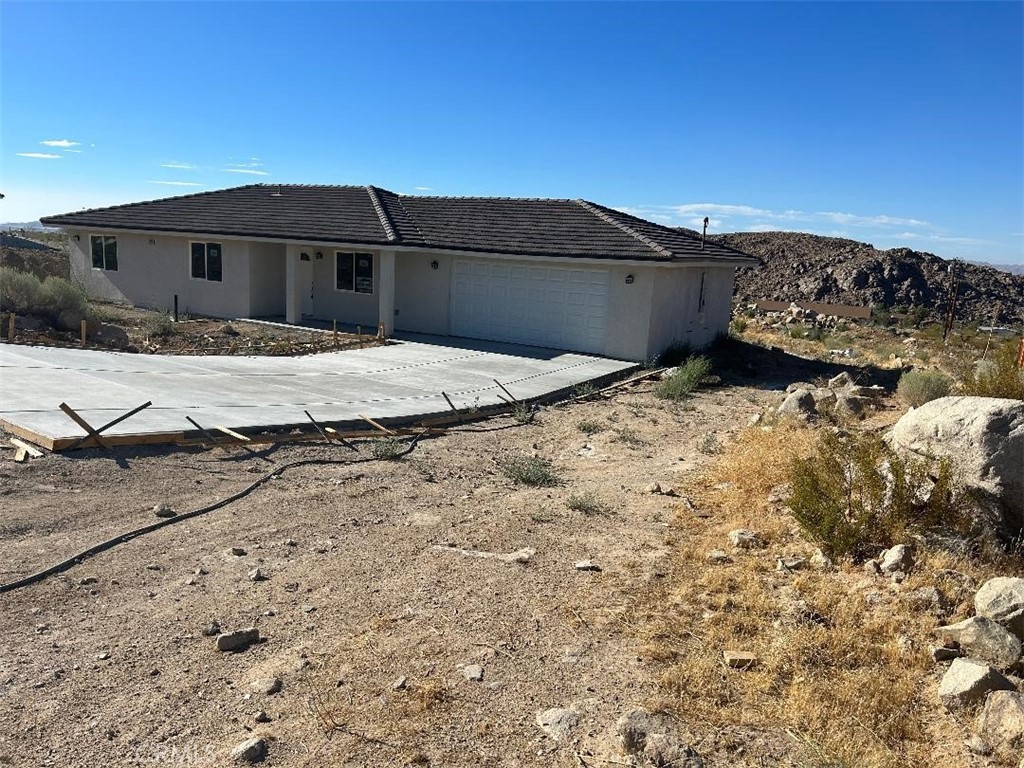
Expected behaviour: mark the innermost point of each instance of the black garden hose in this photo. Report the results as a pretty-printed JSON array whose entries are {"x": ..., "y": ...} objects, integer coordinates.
[{"x": 121, "y": 538}]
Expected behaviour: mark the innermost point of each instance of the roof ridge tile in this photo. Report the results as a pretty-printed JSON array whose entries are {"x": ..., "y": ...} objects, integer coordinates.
[
  {"x": 385, "y": 220},
  {"x": 605, "y": 216}
]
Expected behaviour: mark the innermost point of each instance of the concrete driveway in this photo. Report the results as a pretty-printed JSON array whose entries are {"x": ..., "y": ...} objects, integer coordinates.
[{"x": 400, "y": 381}]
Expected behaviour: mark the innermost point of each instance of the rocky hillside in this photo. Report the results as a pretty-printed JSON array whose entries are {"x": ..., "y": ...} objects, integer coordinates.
[{"x": 800, "y": 266}]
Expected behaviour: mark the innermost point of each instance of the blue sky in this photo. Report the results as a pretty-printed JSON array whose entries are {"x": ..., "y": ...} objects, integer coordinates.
[{"x": 892, "y": 123}]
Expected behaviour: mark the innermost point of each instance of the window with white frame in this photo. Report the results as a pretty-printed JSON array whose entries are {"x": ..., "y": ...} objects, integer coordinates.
[
  {"x": 104, "y": 252},
  {"x": 354, "y": 272},
  {"x": 206, "y": 262}
]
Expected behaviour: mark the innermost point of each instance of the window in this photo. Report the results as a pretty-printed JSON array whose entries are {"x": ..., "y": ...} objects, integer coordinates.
[
  {"x": 206, "y": 261},
  {"x": 104, "y": 252},
  {"x": 354, "y": 272}
]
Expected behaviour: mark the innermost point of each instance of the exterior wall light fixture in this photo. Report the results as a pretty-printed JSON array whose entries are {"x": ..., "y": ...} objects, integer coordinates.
[
  {"x": 319, "y": 255},
  {"x": 629, "y": 278},
  {"x": 303, "y": 257},
  {"x": 78, "y": 238},
  {"x": 434, "y": 265}
]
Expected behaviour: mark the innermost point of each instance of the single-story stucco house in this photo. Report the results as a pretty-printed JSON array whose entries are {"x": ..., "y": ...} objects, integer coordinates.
[{"x": 566, "y": 274}]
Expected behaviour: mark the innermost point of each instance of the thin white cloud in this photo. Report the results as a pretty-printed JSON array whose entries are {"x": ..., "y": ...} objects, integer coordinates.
[
  {"x": 60, "y": 143},
  {"x": 707, "y": 209},
  {"x": 852, "y": 219},
  {"x": 698, "y": 223},
  {"x": 176, "y": 183},
  {"x": 251, "y": 171},
  {"x": 40, "y": 155},
  {"x": 424, "y": 189},
  {"x": 76, "y": 151},
  {"x": 180, "y": 166},
  {"x": 254, "y": 163}
]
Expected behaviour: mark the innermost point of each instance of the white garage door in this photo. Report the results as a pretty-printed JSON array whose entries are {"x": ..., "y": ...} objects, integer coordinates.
[{"x": 542, "y": 306}]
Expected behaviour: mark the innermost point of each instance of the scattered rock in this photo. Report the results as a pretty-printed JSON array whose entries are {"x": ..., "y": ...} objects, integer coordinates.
[
  {"x": 798, "y": 405},
  {"x": 1002, "y": 600},
  {"x": 250, "y": 751},
  {"x": 163, "y": 509},
  {"x": 821, "y": 562},
  {"x": 985, "y": 640},
  {"x": 927, "y": 599},
  {"x": 978, "y": 746},
  {"x": 154, "y": 567},
  {"x": 654, "y": 487},
  {"x": 257, "y": 574},
  {"x": 268, "y": 686},
  {"x": 850, "y": 406},
  {"x": 88, "y": 580},
  {"x": 1001, "y": 724},
  {"x": 872, "y": 567},
  {"x": 788, "y": 564},
  {"x": 228, "y": 330},
  {"x": 842, "y": 381},
  {"x": 473, "y": 672},
  {"x": 984, "y": 439},
  {"x": 664, "y": 750},
  {"x": 211, "y": 629},
  {"x": 633, "y": 728},
  {"x": 103, "y": 656},
  {"x": 521, "y": 556},
  {"x": 399, "y": 684},
  {"x": 718, "y": 557},
  {"x": 966, "y": 683},
  {"x": 237, "y": 640},
  {"x": 739, "y": 659},
  {"x": 237, "y": 552},
  {"x": 587, "y": 565},
  {"x": 898, "y": 558},
  {"x": 744, "y": 539},
  {"x": 261, "y": 717},
  {"x": 558, "y": 723},
  {"x": 290, "y": 543},
  {"x": 945, "y": 653}
]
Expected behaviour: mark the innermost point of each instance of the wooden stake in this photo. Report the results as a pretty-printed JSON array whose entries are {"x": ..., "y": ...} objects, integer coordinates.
[
  {"x": 85, "y": 330},
  {"x": 341, "y": 438},
  {"x": 335, "y": 334},
  {"x": 452, "y": 405},
  {"x": 70, "y": 412},
  {"x": 505, "y": 391},
  {"x": 318, "y": 429},
  {"x": 381, "y": 427},
  {"x": 31, "y": 450},
  {"x": 110, "y": 424},
  {"x": 232, "y": 433},
  {"x": 10, "y": 327}
]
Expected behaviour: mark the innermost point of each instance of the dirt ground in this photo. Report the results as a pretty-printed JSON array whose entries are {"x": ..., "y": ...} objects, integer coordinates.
[{"x": 107, "y": 663}]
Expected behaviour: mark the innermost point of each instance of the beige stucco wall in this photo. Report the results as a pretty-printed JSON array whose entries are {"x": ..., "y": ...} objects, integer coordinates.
[
  {"x": 153, "y": 268},
  {"x": 675, "y": 316},
  {"x": 422, "y": 293},
  {"x": 266, "y": 279},
  {"x": 343, "y": 306},
  {"x": 629, "y": 311}
]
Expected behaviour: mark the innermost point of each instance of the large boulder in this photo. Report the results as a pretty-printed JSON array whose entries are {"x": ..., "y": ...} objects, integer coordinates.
[
  {"x": 1001, "y": 724},
  {"x": 984, "y": 439},
  {"x": 984, "y": 639},
  {"x": 1002, "y": 599},
  {"x": 967, "y": 682}
]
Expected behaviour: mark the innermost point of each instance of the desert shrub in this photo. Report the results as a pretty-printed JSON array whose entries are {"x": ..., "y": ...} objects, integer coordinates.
[
  {"x": 386, "y": 449},
  {"x": 739, "y": 325},
  {"x": 529, "y": 470},
  {"x": 584, "y": 389},
  {"x": 628, "y": 436},
  {"x": 589, "y": 426},
  {"x": 63, "y": 302},
  {"x": 523, "y": 413},
  {"x": 588, "y": 504},
  {"x": 855, "y": 496},
  {"x": 920, "y": 387},
  {"x": 19, "y": 291},
  {"x": 158, "y": 325},
  {"x": 998, "y": 376},
  {"x": 686, "y": 378}
]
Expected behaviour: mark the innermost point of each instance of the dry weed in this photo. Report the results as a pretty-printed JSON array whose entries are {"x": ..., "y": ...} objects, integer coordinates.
[{"x": 849, "y": 681}]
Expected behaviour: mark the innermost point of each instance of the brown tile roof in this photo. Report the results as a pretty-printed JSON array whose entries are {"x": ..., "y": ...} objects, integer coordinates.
[{"x": 375, "y": 216}]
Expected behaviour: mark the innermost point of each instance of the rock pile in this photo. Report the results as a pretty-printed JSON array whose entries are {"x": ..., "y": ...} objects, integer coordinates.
[
  {"x": 981, "y": 677},
  {"x": 841, "y": 397}
]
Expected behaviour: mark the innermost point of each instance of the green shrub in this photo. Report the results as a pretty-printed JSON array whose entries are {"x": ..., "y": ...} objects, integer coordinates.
[
  {"x": 386, "y": 449},
  {"x": 529, "y": 470},
  {"x": 63, "y": 302},
  {"x": 998, "y": 376},
  {"x": 158, "y": 326},
  {"x": 628, "y": 436},
  {"x": 686, "y": 378},
  {"x": 854, "y": 496},
  {"x": 588, "y": 504},
  {"x": 522, "y": 412},
  {"x": 589, "y": 426},
  {"x": 19, "y": 291},
  {"x": 920, "y": 387},
  {"x": 739, "y": 325}
]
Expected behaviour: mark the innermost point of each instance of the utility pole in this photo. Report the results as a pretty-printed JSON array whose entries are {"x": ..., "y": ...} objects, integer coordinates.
[{"x": 953, "y": 286}]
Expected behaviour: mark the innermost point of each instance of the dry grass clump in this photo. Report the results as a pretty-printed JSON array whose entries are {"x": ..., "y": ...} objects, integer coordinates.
[{"x": 846, "y": 680}]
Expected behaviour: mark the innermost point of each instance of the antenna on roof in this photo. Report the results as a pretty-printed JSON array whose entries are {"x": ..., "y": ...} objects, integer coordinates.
[
  {"x": 704, "y": 233},
  {"x": 278, "y": 193}
]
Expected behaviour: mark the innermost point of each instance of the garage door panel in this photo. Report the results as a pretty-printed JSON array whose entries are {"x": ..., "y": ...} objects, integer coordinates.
[{"x": 565, "y": 308}]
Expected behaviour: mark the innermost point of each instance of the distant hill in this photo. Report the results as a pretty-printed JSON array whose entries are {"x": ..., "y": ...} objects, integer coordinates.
[
  {"x": 1013, "y": 269},
  {"x": 800, "y": 266}
]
